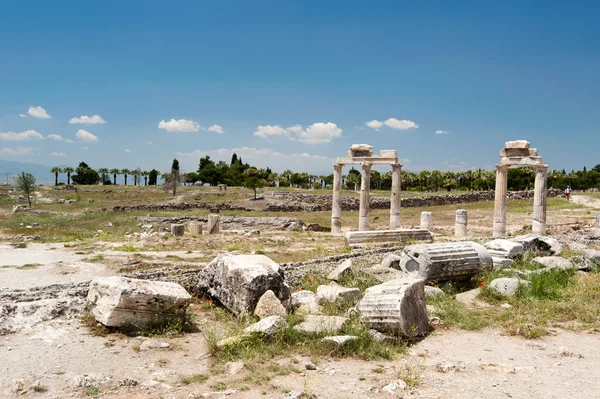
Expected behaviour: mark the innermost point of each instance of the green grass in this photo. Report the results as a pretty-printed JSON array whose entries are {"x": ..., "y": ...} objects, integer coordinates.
[
  {"x": 192, "y": 379},
  {"x": 29, "y": 266}
]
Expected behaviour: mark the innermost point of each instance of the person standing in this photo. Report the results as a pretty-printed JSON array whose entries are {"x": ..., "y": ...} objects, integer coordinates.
[{"x": 568, "y": 192}]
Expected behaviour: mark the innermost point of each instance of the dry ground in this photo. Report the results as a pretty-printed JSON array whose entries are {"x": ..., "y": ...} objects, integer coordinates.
[{"x": 52, "y": 353}]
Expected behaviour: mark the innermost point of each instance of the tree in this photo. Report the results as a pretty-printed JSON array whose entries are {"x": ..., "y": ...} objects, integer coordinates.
[
  {"x": 68, "y": 170},
  {"x": 252, "y": 180},
  {"x": 353, "y": 179},
  {"x": 85, "y": 175},
  {"x": 136, "y": 176},
  {"x": 173, "y": 178},
  {"x": 175, "y": 165},
  {"x": 103, "y": 172},
  {"x": 115, "y": 172},
  {"x": 56, "y": 170},
  {"x": 26, "y": 183},
  {"x": 152, "y": 177},
  {"x": 125, "y": 173},
  {"x": 145, "y": 173}
]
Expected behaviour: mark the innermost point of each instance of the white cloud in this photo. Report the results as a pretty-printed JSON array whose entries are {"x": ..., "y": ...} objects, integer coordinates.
[
  {"x": 22, "y": 116},
  {"x": 38, "y": 112},
  {"x": 56, "y": 137},
  {"x": 181, "y": 125},
  {"x": 17, "y": 151},
  {"x": 148, "y": 142},
  {"x": 374, "y": 124},
  {"x": 85, "y": 148},
  {"x": 87, "y": 120},
  {"x": 403, "y": 124},
  {"x": 59, "y": 154},
  {"x": 216, "y": 129},
  {"x": 23, "y": 136},
  {"x": 319, "y": 133},
  {"x": 127, "y": 150},
  {"x": 268, "y": 131},
  {"x": 86, "y": 137},
  {"x": 68, "y": 141},
  {"x": 441, "y": 132}
]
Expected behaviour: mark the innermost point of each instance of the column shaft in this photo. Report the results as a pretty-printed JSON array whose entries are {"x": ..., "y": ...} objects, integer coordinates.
[
  {"x": 500, "y": 201},
  {"x": 540, "y": 192},
  {"x": 336, "y": 204},
  {"x": 365, "y": 187},
  {"x": 395, "y": 200}
]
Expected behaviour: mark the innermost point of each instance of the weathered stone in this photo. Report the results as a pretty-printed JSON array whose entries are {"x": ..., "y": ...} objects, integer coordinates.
[
  {"x": 365, "y": 187},
  {"x": 339, "y": 339},
  {"x": 383, "y": 274},
  {"x": 397, "y": 307},
  {"x": 299, "y": 395},
  {"x": 433, "y": 291},
  {"x": 500, "y": 263},
  {"x": 384, "y": 237},
  {"x": 391, "y": 261},
  {"x": 149, "y": 344},
  {"x": 214, "y": 222},
  {"x": 506, "y": 285},
  {"x": 517, "y": 144},
  {"x": 553, "y": 262},
  {"x": 591, "y": 254},
  {"x": 303, "y": 297},
  {"x": 392, "y": 387},
  {"x": 334, "y": 293},
  {"x": 342, "y": 271},
  {"x": 453, "y": 260},
  {"x": 269, "y": 305},
  {"x": 195, "y": 228},
  {"x": 426, "y": 220},
  {"x": 510, "y": 249},
  {"x": 581, "y": 263},
  {"x": 238, "y": 281},
  {"x": 379, "y": 337},
  {"x": 118, "y": 300},
  {"x": 460, "y": 225},
  {"x": 315, "y": 324},
  {"x": 546, "y": 245},
  {"x": 269, "y": 326},
  {"x": 177, "y": 229},
  {"x": 233, "y": 368}
]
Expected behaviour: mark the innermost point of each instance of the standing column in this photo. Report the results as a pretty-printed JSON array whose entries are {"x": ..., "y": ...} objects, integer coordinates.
[
  {"x": 365, "y": 187},
  {"x": 460, "y": 225},
  {"x": 336, "y": 204},
  {"x": 395, "y": 200},
  {"x": 540, "y": 192},
  {"x": 500, "y": 201},
  {"x": 426, "y": 220}
]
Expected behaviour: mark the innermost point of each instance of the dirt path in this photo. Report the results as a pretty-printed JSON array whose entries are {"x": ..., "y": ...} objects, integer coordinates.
[{"x": 586, "y": 201}]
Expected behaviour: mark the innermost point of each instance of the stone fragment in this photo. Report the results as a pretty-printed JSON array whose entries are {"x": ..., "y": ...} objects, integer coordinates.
[
  {"x": 310, "y": 366},
  {"x": 382, "y": 237},
  {"x": 195, "y": 228},
  {"x": 147, "y": 226},
  {"x": 447, "y": 366},
  {"x": 232, "y": 368},
  {"x": 426, "y": 221},
  {"x": 335, "y": 293},
  {"x": 269, "y": 326},
  {"x": 342, "y": 271},
  {"x": 149, "y": 344},
  {"x": 509, "y": 249},
  {"x": 177, "y": 229},
  {"x": 543, "y": 244},
  {"x": 433, "y": 291},
  {"x": 299, "y": 395},
  {"x": 269, "y": 305},
  {"x": 517, "y": 144},
  {"x": 397, "y": 307},
  {"x": 379, "y": 337},
  {"x": 392, "y": 387},
  {"x": 438, "y": 262},
  {"x": 383, "y": 274},
  {"x": 315, "y": 324},
  {"x": 89, "y": 380},
  {"x": 507, "y": 285},
  {"x": 591, "y": 254},
  {"x": 118, "y": 300},
  {"x": 303, "y": 297},
  {"x": 581, "y": 263},
  {"x": 238, "y": 281},
  {"x": 391, "y": 261},
  {"x": 339, "y": 339},
  {"x": 553, "y": 262},
  {"x": 501, "y": 263},
  {"x": 213, "y": 223}
]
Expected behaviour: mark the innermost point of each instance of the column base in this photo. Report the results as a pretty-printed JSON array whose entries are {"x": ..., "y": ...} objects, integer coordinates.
[
  {"x": 394, "y": 222},
  {"x": 538, "y": 228}
]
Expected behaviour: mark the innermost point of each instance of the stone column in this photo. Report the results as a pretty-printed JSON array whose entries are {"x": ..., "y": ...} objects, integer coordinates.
[
  {"x": 500, "y": 201},
  {"x": 213, "y": 223},
  {"x": 336, "y": 203},
  {"x": 195, "y": 228},
  {"x": 365, "y": 187},
  {"x": 460, "y": 226},
  {"x": 177, "y": 229},
  {"x": 426, "y": 220},
  {"x": 395, "y": 200},
  {"x": 598, "y": 222},
  {"x": 540, "y": 192}
]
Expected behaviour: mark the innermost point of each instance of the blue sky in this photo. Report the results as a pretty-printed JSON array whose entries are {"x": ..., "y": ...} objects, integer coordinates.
[{"x": 292, "y": 84}]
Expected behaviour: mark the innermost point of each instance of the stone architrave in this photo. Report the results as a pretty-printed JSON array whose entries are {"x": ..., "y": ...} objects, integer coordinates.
[
  {"x": 500, "y": 201},
  {"x": 177, "y": 229},
  {"x": 540, "y": 192},
  {"x": 213, "y": 223},
  {"x": 336, "y": 204},
  {"x": 395, "y": 200},
  {"x": 365, "y": 188},
  {"x": 460, "y": 226},
  {"x": 426, "y": 220}
]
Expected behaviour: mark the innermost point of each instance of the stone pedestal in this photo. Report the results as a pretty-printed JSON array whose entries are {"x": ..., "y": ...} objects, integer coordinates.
[
  {"x": 460, "y": 226},
  {"x": 177, "y": 229},
  {"x": 395, "y": 200},
  {"x": 336, "y": 204},
  {"x": 365, "y": 187},
  {"x": 500, "y": 201},
  {"x": 213, "y": 223},
  {"x": 540, "y": 192},
  {"x": 426, "y": 220},
  {"x": 195, "y": 228}
]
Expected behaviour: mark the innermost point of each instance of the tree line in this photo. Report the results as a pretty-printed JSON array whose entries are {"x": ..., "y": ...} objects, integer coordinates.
[{"x": 239, "y": 173}]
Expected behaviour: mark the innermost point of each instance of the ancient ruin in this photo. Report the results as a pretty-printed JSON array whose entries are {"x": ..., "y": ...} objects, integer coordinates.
[
  {"x": 517, "y": 153},
  {"x": 362, "y": 154}
]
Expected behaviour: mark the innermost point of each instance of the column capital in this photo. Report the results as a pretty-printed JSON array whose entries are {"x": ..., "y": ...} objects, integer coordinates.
[
  {"x": 367, "y": 165},
  {"x": 502, "y": 167},
  {"x": 397, "y": 165},
  {"x": 542, "y": 166},
  {"x": 338, "y": 166}
]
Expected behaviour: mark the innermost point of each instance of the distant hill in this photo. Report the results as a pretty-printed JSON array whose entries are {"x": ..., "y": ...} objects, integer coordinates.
[{"x": 12, "y": 168}]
